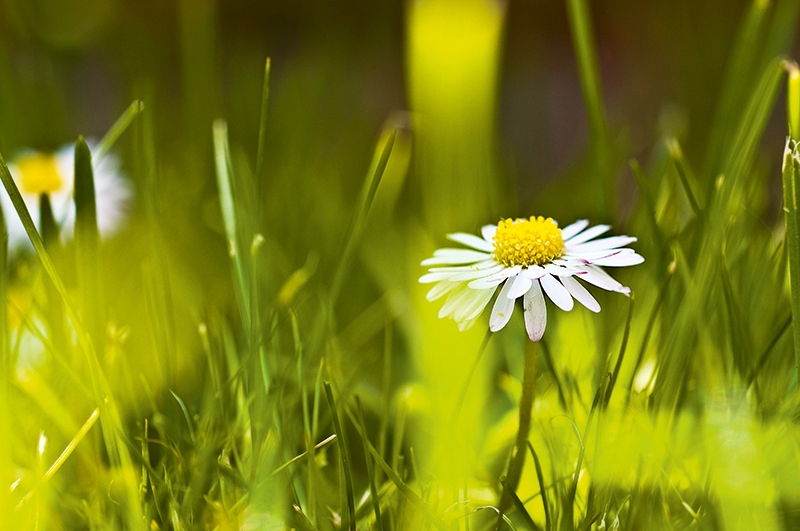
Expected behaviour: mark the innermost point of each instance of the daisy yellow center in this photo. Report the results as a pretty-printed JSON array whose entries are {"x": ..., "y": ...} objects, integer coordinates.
[
  {"x": 527, "y": 242},
  {"x": 38, "y": 173}
]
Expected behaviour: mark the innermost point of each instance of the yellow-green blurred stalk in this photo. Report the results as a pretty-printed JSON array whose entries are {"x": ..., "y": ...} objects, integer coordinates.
[{"x": 453, "y": 62}]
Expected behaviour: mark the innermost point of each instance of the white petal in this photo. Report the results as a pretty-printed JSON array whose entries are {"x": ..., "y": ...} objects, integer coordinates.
[
  {"x": 474, "y": 305},
  {"x": 559, "y": 270},
  {"x": 455, "y": 256},
  {"x": 556, "y": 292},
  {"x": 535, "y": 272},
  {"x": 486, "y": 264},
  {"x": 470, "y": 240},
  {"x": 596, "y": 276},
  {"x": 466, "y": 325},
  {"x": 571, "y": 230},
  {"x": 455, "y": 300},
  {"x": 503, "y": 307},
  {"x": 441, "y": 289},
  {"x": 535, "y": 312},
  {"x": 573, "y": 265},
  {"x": 495, "y": 279},
  {"x": 487, "y": 231},
  {"x": 580, "y": 293},
  {"x": 472, "y": 275},
  {"x": 434, "y": 277},
  {"x": 613, "y": 242},
  {"x": 586, "y": 235},
  {"x": 520, "y": 287},
  {"x": 587, "y": 257},
  {"x": 620, "y": 260}
]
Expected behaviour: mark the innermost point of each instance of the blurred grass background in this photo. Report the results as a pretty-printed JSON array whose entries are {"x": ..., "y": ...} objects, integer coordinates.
[{"x": 389, "y": 125}]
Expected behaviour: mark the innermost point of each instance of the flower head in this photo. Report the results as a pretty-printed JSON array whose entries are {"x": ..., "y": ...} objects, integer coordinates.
[
  {"x": 527, "y": 258},
  {"x": 36, "y": 173}
]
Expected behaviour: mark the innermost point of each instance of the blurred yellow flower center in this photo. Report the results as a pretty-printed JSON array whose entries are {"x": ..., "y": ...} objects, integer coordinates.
[
  {"x": 39, "y": 173},
  {"x": 527, "y": 242}
]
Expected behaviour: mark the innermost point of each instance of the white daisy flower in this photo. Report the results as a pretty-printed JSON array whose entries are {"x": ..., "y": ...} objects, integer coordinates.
[
  {"x": 37, "y": 173},
  {"x": 527, "y": 258}
]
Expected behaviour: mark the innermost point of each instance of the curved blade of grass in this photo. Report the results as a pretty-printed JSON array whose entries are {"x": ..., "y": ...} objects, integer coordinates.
[
  {"x": 526, "y": 517},
  {"x": 542, "y": 488},
  {"x": 349, "y": 520},
  {"x": 119, "y": 127}
]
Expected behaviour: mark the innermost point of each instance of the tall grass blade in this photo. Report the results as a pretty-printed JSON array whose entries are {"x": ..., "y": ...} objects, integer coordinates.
[
  {"x": 225, "y": 183},
  {"x": 373, "y": 486},
  {"x": 526, "y": 517},
  {"x": 349, "y": 517},
  {"x": 542, "y": 488},
  {"x": 44, "y": 257},
  {"x": 739, "y": 72},
  {"x": 262, "y": 128},
  {"x": 64, "y": 455},
  {"x": 380, "y": 159},
  {"x": 87, "y": 242},
  {"x": 791, "y": 202},
  {"x": 751, "y": 126},
  {"x": 586, "y": 55}
]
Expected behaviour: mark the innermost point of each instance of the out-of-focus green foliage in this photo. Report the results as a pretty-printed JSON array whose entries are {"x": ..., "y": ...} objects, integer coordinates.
[{"x": 253, "y": 349}]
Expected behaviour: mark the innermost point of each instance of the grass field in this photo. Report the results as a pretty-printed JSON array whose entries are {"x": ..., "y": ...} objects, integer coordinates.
[{"x": 214, "y": 317}]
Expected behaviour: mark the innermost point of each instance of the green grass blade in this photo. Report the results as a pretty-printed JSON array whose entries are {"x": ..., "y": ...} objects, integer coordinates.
[
  {"x": 526, "y": 517},
  {"x": 349, "y": 518},
  {"x": 262, "y": 127},
  {"x": 791, "y": 202},
  {"x": 622, "y": 349},
  {"x": 380, "y": 160},
  {"x": 119, "y": 127},
  {"x": 373, "y": 487},
  {"x": 586, "y": 55},
  {"x": 44, "y": 257},
  {"x": 739, "y": 72},
  {"x": 741, "y": 148},
  {"x": 542, "y": 488},
  {"x": 87, "y": 242},
  {"x": 685, "y": 174},
  {"x": 409, "y": 493},
  {"x": 222, "y": 157}
]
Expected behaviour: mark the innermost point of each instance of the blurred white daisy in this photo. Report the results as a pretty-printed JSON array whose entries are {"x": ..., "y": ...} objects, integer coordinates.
[
  {"x": 37, "y": 172},
  {"x": 529, "y": 258}
]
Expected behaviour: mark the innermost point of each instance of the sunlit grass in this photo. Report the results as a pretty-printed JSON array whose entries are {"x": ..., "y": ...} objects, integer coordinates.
[{"x": 265, "y": 358}]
